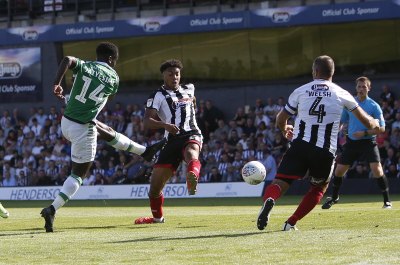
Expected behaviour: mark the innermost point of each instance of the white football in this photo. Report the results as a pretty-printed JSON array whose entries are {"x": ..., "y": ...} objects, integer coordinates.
[{"x": 253, "y": 172}]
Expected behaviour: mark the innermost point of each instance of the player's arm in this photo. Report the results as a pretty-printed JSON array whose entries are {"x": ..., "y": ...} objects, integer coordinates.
[
  {"x": 194, "y": 103},
  {"x": 281, "y": 123},
  {"x": 68, "y": 62},
  {"x": 365, "y": 119},
  {"x": 151, "y": 121},
  {"x": 369, "y": 132}
]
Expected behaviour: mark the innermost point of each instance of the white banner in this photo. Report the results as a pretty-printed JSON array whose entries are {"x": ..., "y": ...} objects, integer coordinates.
[{"x": 104, "y": 192}]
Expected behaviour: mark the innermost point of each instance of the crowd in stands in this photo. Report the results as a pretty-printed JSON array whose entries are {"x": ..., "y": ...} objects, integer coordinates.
[{"x": 34, "y": 153}]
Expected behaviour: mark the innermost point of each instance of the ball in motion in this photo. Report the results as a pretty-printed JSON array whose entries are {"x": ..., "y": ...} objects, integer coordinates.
[{"x": 253, "y": 172}]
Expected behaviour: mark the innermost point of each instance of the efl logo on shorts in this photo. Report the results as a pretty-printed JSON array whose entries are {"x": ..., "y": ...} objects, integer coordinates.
[{"x": 10, "y": 70}]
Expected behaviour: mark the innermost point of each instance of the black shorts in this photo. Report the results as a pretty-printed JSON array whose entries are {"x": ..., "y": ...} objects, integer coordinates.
[
  {"x": 172, "y": 153},
  {"x": 364, "y": 149},
  {"x": 303, "y": 157}
]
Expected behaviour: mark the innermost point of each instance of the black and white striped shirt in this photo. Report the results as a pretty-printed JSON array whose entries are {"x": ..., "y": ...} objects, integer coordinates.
[
  {"x": 176, "y": 107},
  {"x": 319, "y": 105}
]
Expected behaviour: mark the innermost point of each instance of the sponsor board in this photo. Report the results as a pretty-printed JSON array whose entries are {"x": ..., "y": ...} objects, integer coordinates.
[
  {"x": 20, "y": 75},
  {"x": 249, "y": 19},
  {"x": 108, "y": 192}
]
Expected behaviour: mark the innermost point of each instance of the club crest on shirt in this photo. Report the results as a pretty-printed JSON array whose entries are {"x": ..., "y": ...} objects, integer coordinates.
[{"x": 181, "y": 103}]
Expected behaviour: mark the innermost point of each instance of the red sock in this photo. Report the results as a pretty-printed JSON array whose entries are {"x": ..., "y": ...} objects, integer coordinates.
[
  {"x": 310, "y": 200},
  {"x": 272, "y": 191},
  {"x": 156, "y": 206},
  {"x": 194, "y": 166}
]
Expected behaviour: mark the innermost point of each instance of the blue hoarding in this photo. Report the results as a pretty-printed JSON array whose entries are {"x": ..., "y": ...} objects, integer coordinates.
[
  {"x": 262, "y": 18},
  {"x": 20, "y": 75}
]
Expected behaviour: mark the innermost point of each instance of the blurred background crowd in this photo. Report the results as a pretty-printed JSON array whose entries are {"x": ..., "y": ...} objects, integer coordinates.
[{"x": 34, "y": 153}]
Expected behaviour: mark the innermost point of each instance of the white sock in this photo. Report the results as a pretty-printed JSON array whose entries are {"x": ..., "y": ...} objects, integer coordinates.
[
  {"x": 69, "y": 188},
  {"x": 158, "y": 220},
  {"x": 121, "y": 142}
]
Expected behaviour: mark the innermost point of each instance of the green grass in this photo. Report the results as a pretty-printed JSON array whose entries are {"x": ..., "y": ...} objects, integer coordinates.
[{"x": 202, "y": 231}]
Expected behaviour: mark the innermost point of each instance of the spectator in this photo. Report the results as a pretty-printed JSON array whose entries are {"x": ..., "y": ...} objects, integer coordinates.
[
  {"x": 99, "y": 179},
  {"x": 223, "y": 164},
  {"x": 37, "y": 149},
  {"x": 5, "y": 119},
  {"x": 358, "y": 171},
  {"x": 24, "y": 127},
  {"x": 270, "y": 165},
  {"x": 41, "y": 116},
  {"x": 231, "y": 174},
  {"x": 233, "y": 127},
  {"x": 271, "y": 109},
  {"x": 120, "y": 124},
  {"x": 233, "y": 139},
  {"x": 9, "y": 180},
  {"x": 136, "y": 171},
  {"x": 22, "y": 179},
  {"x": 259, "y": 105},
  {"x": 42, "y": 178},
  {"x": 211, "y": 162},
  {"x": 119, "y": 176},
  {"x": 213, "y": 176},
  {"x": 388, "y": 113},
  {"x": 249, "y": 128},
  {"x": 396, "y": 122},
  {"x": 240, "y": 117},
  {"x": 395, "y": 138},
  {"x": 387, "y": 95},
  {"x": 238, "y": 162},
  {"x": 261, "y": 117},
  {"x": 53, "y": 115},
  {"x": 36, "y": 127},
  {"x": 211, "y": 116},
  {"x": 222, "y": 128}
]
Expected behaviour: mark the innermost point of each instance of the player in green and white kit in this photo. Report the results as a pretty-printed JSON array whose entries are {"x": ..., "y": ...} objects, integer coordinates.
[{"x": 95, "y": 82}]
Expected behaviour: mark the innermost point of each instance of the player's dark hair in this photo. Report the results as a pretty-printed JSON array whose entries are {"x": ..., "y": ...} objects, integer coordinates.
[
  {"x": 325, "y": 66},
  {"x": 364, "y": 79},
  {"x": 106, "y": 49},
  {"x": 171, "y": 63}
]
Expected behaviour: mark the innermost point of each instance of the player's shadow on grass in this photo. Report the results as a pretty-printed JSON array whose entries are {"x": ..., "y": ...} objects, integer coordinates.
[
  {"x": 23, "y": 233},
  {"x": 191, "y": 237}
]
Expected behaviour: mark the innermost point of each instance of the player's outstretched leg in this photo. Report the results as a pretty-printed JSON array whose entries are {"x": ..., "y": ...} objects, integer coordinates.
[
  {"x": 3, "y": 212},
  {"x": 151, "y": 150},
  {"x": 263, "y": 216},
  {"x": 48, "y": 214},
  {"x": 329, "y": 202}
]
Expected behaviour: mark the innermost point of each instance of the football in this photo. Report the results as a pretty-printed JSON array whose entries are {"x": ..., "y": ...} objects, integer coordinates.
[{"x": 253, "y": 172}]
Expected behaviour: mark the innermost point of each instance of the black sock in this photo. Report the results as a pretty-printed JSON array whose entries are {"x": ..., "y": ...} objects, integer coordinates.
[
  {"x": 383, "y": 185},
  {"x": 337, "y": 183},
  {"x": 53, "y": 210}
]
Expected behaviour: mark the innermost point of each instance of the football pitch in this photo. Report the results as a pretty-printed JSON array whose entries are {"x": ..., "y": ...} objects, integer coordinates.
[{"x": 202, "y": 231}]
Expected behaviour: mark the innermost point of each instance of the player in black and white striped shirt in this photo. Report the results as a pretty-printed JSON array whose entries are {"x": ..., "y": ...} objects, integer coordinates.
[
  {"x": 172, "y": 107},
  {"x": 318, "y": 107}
]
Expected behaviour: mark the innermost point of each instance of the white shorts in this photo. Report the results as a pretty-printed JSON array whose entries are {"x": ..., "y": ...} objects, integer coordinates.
[{"x": 83, "y": 138}]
